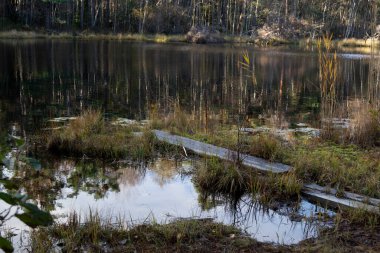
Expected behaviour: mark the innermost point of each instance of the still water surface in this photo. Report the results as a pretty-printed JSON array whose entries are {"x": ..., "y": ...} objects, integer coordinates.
[
  {"x": 162, "y": 190},
  {"x": 44, "y": 79}
]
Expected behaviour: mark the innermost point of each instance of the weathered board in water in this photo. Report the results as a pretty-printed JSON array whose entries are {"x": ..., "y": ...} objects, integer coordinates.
[
  {"x": 348, "y": 199},
  {"x": 223, "y": 153},
  {"x": 313, "y": 191}
]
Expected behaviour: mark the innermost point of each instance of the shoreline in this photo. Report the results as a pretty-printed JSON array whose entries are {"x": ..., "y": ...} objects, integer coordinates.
[{"x": 181, "y": 38}]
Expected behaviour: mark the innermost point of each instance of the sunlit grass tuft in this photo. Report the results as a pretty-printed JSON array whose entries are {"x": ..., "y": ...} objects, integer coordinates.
[{"x": 89, "y": 135}]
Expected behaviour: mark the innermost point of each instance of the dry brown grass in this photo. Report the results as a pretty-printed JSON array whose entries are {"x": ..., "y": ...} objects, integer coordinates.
[
  {"x": 176, "y": 120},
  {"x": 364, "y": 129},
  {"x": 89, "y": 135}
]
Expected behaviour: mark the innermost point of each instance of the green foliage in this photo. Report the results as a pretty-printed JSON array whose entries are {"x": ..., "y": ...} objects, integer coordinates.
[
  {"x": 32, "y": 216},
  {"x": 6, "y": 245}
]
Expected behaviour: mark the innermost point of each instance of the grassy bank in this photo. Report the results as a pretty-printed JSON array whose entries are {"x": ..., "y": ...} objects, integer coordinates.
[
  {"x": 345, "y": 167},
  {"x": 165, "y": 38},
  {"x": 158, "y": 38},
  {"x": 93, "y": 234}
]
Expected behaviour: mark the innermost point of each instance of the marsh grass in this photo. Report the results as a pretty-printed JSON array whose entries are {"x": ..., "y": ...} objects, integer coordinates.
[
  {"x": 352, "y": 42},
  {"x": 89, "y": 135},
  {"x": 364, "y": 129},
  {"x": 94, "y": 234},
  {"x": 266, "y": 146},
  {"x": 215, "y": 176},
  {"x": 342, "y": 167},
  {"x": 210, "y": 130},
  {"x": 220, "y": 177},
  {"x": 176, "y": 120}
]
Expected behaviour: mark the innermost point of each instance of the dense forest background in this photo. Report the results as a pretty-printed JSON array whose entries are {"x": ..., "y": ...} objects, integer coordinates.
[{"x": 289, "y": 18}]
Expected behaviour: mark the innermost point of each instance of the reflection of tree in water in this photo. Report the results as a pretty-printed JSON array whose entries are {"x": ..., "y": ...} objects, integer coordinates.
[
  {"x": 131, "y": 176},
  {"x": 44, "y": 185},
  {"x": 207, "y": 79},
  {"x": 245, "y": 210},
  {"x": 164, "y": 170},
  {"x": 94, "y": 177}
]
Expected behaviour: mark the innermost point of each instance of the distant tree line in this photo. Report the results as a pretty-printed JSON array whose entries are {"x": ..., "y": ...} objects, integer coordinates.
[{"x": 344, "y": 18}]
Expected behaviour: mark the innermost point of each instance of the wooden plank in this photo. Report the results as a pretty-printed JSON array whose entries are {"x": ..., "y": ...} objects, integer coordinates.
[
  {"x": 350, "y": 200},
  {"x": 202, "y": 148},
  {"x": 311, "y": 191},
  {"x": 347, "y": 195},
  {"x": 320, "y": 194}
]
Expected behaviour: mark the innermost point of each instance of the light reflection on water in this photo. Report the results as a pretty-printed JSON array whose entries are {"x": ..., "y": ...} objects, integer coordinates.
[
  {"x": 160, "y": 191},
  {"x": 164, "y": 194}
]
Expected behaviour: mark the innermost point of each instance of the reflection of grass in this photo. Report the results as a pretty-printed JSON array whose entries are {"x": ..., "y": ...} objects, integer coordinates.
[{"x": 89, "y": 135}]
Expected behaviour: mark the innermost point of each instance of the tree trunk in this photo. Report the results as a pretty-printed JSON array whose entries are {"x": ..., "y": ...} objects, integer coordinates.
[{"x": 82, "y": 14}]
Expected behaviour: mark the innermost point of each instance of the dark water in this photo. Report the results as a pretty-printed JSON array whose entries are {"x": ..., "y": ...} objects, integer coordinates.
[{"x": 50, "y": 78}]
